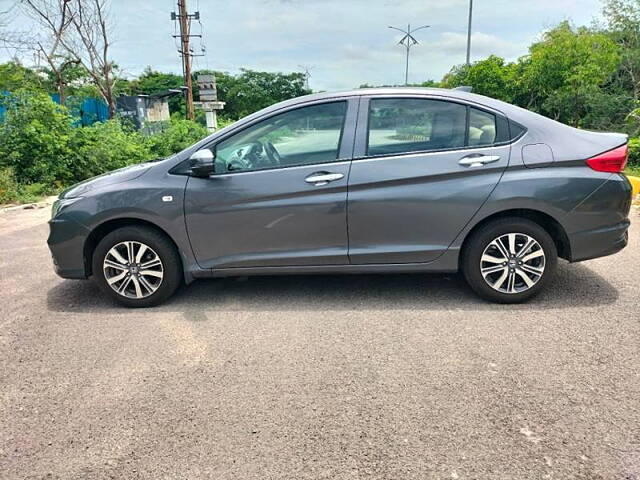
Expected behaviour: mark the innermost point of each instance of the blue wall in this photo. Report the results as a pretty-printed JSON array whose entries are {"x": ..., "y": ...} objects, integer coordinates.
[{"x": 87, "y": 111}]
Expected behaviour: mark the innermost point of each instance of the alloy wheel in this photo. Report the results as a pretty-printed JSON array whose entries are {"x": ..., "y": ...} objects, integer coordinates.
[
  {"x": 512, "y": 263},
  {"x": 133, "y": 269}
]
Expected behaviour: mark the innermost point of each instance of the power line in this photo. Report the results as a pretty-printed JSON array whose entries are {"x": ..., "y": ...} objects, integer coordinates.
[
  {"x": 408, "y": 41},
  {"x": 184, "y": 18}
]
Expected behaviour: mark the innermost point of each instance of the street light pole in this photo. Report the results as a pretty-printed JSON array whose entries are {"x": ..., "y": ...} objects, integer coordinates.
[
  {"x": 306, "y": 70},
  {"x": 469, "y": 33},
  {"x": 406, "y": 68},
  {"x": 408, "y": 41}
]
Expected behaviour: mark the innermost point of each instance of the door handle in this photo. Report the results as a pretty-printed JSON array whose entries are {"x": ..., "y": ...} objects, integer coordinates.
[
  {"x": 478, "y": 160},
  {"x": 322, "y": 178}
]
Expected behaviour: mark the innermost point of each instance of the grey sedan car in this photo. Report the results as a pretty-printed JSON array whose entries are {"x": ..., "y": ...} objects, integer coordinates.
[{"x": 372, "y": 180}]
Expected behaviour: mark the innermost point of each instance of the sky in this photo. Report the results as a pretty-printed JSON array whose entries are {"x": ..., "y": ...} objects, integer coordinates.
[{"x": 345, "y": 42}]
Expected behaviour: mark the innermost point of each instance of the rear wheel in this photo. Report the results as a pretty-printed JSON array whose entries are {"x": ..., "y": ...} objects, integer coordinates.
[
  {"x": 138, "y": 266},
  {"x": 509, "y": 260}
]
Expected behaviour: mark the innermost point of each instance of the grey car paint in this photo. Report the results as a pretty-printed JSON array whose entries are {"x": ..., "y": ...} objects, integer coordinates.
[
  {"x": 400, "y": 206},
  {"x": 591, "y": 207},
  {"x": 273, "y": 217},
  {"x": 535, "y": 155}
]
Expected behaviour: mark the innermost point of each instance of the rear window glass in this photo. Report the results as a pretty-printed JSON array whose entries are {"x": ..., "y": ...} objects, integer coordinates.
[
  {"x": 482, "y": 128},
  {"x": 400, "y": 125},
  {"x": 516, "y": 130},
  {"x": 405, "y": 125}
]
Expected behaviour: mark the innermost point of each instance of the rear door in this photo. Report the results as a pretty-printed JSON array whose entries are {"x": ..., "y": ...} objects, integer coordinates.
[{"x": 422, "y": 168}]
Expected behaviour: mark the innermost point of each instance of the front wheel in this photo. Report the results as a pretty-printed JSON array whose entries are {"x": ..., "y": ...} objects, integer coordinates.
[
  {"x": 138, "y": 266},
  {"x": 509, "y": 260}
]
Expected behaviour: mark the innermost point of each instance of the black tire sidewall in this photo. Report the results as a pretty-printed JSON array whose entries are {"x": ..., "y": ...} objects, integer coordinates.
[
  {"x": 479, "y": 241},
  {"x": 172, "y": 267}
]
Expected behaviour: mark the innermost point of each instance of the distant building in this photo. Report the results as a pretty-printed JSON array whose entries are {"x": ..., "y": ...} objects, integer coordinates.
[{"x": 147, "y": 112}]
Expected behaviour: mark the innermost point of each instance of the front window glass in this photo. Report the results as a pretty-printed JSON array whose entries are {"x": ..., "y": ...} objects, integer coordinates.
[
  {"x": 303, "y": 136},
  {"x": 401, "y": 125}
]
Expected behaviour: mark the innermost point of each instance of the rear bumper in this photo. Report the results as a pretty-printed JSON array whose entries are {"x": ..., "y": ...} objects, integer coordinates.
[
  {"x": 599, "y": 242},
  {"x": 599, "y": 224},
  {"x": 66, "y": 243}
]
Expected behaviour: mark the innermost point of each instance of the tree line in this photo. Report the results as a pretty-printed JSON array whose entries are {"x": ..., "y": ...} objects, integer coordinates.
[
  {"x": 585, "y": 76},
  {"x": 72, "y": 42}
]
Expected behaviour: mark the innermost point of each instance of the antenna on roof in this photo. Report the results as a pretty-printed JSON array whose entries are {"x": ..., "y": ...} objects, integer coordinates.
[{"x": 464, "y": 88}]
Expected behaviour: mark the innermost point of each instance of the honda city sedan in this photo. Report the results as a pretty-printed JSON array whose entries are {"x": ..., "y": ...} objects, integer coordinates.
[{"x": 368, "y": 181}]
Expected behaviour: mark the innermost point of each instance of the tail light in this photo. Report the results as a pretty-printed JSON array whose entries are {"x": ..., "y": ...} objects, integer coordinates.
[{"x": 612, "y": 161}]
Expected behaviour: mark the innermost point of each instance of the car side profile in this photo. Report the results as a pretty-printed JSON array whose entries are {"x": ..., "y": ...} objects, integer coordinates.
[{"x": 371, "y": 180}]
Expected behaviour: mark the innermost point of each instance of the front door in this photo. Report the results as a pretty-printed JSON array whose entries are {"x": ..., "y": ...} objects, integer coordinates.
[
  {"x": 422, "y": 168},
  {"x": 278, "y": 197}
]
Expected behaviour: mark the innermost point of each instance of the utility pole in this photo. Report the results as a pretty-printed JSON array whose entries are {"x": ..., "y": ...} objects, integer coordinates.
[
  {"x": 469, "y": 33},
  {"x": 408, "y": 41},
  {"x": 184, "y": 19}
]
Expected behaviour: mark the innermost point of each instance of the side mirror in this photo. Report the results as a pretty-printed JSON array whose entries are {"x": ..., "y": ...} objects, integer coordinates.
[{"x": 202, "y": 163}]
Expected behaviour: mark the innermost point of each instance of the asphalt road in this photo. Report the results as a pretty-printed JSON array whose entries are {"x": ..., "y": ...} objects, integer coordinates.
[{"x": 354, "y": 377}]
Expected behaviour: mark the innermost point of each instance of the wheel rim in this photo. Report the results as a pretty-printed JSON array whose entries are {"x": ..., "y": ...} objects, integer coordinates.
[
  {"x": 512, "y": 263},
  {"x": 133, "y": 269}
]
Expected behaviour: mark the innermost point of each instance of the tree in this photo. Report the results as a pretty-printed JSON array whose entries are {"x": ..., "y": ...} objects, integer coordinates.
[
  {"x": 54, "y": 18},
  {"x": 426, "y": 84},
  {"x": 491, "y": 77},
  {"x": 87, "y": 40},
  {"x": 151, "y": 82},
  {"x": 623, "y": 25},
  {"x": 565, "y": 69},
  {"x": 251, "y": 91},
  {"x": 14, "y": 76},
  {"x": 566, "y": 76},
  {"x": 68, "y": 80}
]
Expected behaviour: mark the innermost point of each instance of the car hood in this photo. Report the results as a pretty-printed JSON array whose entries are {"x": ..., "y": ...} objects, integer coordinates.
[{"x": 117, "y": 176}]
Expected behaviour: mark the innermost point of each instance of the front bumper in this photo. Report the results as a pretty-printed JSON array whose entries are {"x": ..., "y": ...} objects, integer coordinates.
[{"x": 66, "y": 242}]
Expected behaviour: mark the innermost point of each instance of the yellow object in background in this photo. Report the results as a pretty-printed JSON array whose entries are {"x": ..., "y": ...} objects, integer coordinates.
[{"x": 635, "y": 183}]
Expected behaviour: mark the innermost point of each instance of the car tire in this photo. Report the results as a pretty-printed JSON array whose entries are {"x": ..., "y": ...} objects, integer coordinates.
[
  {"x": 154, "y": 274},
  {"x": 498, "y": 268}
]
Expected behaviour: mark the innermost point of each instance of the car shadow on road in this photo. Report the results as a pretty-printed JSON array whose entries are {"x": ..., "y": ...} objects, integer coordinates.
[{"x": 574, "y": 285}]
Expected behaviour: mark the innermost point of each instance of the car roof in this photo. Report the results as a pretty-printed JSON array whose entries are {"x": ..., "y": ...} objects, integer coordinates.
[
  {"x": 403, "y": 91},
  {"x": 539, "y": 128},
  {"x": 449, "y": 94}
]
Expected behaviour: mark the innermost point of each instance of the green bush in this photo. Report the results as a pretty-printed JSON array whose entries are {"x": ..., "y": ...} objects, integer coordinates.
[
  {"x": 13, "y": 192},
  {"x": 103, "y": 147},
  {"x": 8, "y": 186},
  {"x": 176, "y": 137},
  {"x": 634, "y": 152},
  {"x": 34, "y": 138},
  {"x": 41, "y": 151}
]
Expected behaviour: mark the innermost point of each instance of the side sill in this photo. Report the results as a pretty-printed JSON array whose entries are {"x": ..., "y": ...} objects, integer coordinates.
[{"x": 446, "y": 263}]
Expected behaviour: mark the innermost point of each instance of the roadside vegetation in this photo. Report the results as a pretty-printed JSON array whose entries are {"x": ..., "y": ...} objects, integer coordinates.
[
  {"x": 585, "y": 76},
  {"x": 43, "y": 149}
]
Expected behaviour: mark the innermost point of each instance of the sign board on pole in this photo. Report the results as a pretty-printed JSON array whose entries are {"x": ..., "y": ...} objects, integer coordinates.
[{"x": 207, "y": 88}]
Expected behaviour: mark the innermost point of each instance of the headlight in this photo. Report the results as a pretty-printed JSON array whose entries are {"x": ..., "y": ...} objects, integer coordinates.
[{"x": 60, "y": 204}]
